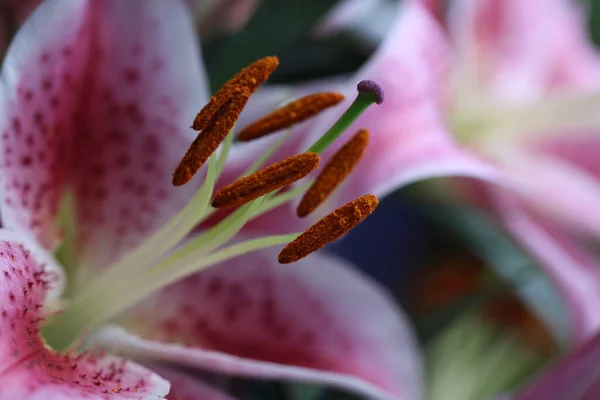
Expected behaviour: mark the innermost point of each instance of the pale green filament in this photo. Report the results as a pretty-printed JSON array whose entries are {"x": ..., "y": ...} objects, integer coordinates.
[
  {"x": 171, "y": 233},
  {"x": 474, "y": 360},
  {"x": 166, "y": 256},
  {"x": 121, "y": 295},
  {"x": 154, "y": 264},
  {"x": 66, "y": 252},
  {"x": 156, "y": 278},
  {"x": 164, "y": 239},
  {"x": 89, "y": 311}
]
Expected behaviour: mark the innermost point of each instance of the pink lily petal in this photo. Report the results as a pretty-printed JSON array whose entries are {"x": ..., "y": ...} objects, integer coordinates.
[
  {"x": 185, "y": 387},
  {"x": 316, "y": 321},
  {"x": 437, "y": 8},
  {"x": 409, "y": 141},
  {"x": 579, "y": 150},
  {"x": 576, "y": 377},
  {"x": 28, "y": 369},
  {"x": 571, "y": 268},
  {"x": 51, "y": 266},
  {"x": 98, "y": 96},
  {"x": 521, "y": 49},
  {"x": 556, "y": 188}
]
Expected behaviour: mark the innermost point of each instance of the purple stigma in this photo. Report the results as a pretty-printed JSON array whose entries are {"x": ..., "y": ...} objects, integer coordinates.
[{"x": 371, "y": 88}]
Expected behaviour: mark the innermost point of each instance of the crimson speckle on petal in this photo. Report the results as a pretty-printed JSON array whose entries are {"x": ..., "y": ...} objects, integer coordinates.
[
  {"x": 253, "y": 308},
  {"x": 89, "y": 104},
  {"x": 28, "y": 369}
]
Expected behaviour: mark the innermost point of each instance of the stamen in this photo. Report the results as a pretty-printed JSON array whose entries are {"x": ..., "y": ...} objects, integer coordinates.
[
  {"x": 209, "y": 139},
  {"x": 290, "y": 114},
  {"x": 249, "y": 78},
  {"x": 369, "y": 93},
  {"x": 266, "y": 180},
  {"x": 335, "y": 171},
  {"x": 329, "y": 228}
]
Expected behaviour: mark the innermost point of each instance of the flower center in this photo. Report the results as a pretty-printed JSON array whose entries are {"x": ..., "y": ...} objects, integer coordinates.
[
  {"x": 477, "y": 122},
  {"x": 171, "y": 253}
]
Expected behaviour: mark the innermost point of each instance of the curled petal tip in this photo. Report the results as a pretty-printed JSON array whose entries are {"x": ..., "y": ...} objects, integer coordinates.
[{"x": 372, "y": 88}]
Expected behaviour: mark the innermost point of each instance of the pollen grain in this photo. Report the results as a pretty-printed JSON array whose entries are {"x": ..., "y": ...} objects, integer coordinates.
[
  {"x": 296, "y": 111},
  {"x": 339, "y": 166},
  {"x": 271, "y": 178},
  {"x": 329, "y": 228}
]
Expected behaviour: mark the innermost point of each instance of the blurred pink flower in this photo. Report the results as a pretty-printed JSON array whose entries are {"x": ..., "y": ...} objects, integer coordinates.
[
  {"x": 507, "y": 92},
  {"x": 96, "y": 99},
  {"x": 523, "y": 94}
]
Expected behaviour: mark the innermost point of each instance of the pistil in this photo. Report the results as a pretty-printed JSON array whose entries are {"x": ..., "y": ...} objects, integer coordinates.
[{"x": 369, "y": 93}]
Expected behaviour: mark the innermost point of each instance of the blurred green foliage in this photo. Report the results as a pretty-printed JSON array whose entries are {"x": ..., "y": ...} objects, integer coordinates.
[
  {"x": 274, "y": 27},
  {"x": 593, "y": 7}
]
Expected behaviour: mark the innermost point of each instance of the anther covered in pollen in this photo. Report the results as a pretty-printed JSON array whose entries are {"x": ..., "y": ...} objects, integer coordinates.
[
  {"x": 249, "y": 78},
  {"x": 335, "y": 171},
  {"x": 211, "y": 136},
  {"x": 271, "y": 178},
  {"x": 296, "y": 111},
  {"x": 329, "y": 228},
  {"x": 217, "y": 118}
]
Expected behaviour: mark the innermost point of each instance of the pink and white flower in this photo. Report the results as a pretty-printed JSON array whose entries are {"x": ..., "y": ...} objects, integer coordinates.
[
  {"x": 96, "y": 99},
  {"x": 505, "y": 92}
]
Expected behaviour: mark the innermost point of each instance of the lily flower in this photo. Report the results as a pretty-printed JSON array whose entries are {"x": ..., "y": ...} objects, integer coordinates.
[
  {"x": 506, "y": 93},
  {"x": 96, "y": 251}
]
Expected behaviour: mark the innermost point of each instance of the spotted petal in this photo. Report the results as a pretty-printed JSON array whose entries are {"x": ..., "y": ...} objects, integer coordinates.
[
  {"x": 96, "y": 99},
  {"x": 409, "y": 140},
  {"x": 28, "y": 369},
  {"x": 315, "y": 321}
]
